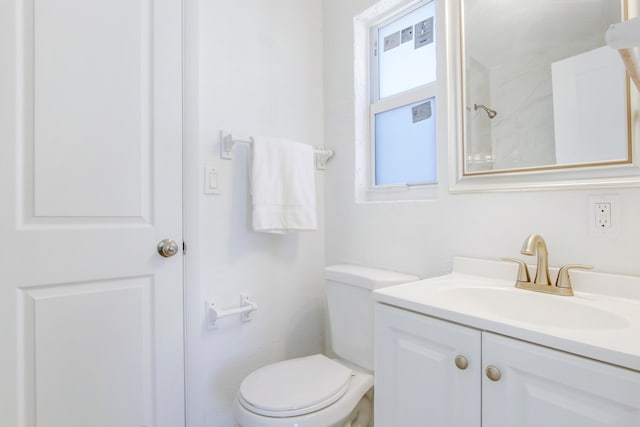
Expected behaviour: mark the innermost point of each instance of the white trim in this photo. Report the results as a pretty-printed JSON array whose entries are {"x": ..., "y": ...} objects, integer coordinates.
[
  {"x": 192, "y": 184},
  {"x": 403, "y": 193},
  {"x": 405, "y": 98}
]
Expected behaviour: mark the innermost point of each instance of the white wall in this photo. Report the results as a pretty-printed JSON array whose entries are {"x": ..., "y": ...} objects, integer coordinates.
[
  {"x": 421, "y": 237},
  {"x": 253, "y": 68}
]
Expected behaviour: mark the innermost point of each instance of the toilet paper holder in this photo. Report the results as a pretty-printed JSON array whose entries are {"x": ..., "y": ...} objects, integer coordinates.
[{"x": 214, "y": 313}]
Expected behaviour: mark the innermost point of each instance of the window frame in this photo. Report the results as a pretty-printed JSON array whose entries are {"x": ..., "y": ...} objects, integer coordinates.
[
  {"x": 377, "y": 105},
  {"x": 364, "y": 23},
  {"x": 368, "y": 103}
]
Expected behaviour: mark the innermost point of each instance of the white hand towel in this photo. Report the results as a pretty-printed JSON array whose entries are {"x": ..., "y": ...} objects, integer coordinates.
[{"x": 283, "y": 186}]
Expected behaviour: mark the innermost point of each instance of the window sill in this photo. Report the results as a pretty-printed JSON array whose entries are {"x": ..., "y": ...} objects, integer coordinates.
[{"x": 399, "y": 193}]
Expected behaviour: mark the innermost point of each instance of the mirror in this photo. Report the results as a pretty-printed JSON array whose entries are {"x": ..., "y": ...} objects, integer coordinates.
[{"x": 540, "y": 89}]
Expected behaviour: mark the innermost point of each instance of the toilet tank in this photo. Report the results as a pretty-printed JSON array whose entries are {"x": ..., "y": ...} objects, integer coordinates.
[{"x": 350, "y": 305}]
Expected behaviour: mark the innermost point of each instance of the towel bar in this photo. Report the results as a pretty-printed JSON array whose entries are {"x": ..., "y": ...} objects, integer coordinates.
[{"x": 227, "y": 143}]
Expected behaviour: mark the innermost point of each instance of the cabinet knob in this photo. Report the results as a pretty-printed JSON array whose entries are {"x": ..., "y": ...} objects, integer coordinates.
[
  {"x": 461, "y": 362},
  {"x": 493, "y": 373}
]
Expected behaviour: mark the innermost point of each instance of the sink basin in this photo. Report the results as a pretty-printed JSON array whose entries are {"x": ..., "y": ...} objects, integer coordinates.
[{"x": 531, "y": 307}]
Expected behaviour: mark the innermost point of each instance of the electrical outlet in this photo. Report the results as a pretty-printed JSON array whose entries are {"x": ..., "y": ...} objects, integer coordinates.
[{"x": 604, "y": 215}]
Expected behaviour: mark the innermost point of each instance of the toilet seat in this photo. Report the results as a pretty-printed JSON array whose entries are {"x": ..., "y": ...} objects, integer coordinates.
[{"x": 294, "y": 387}]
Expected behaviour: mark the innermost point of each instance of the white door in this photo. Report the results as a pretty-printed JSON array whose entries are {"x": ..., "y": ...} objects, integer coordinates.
[
  {"x": 539, "y": 386},
  {"x": 91, "y": 324},
  {"x": 418, "y": 381}
]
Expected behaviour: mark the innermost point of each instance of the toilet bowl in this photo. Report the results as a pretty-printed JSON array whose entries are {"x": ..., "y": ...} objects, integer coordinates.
[
  {"x": 312, "y": 391},
  {"x": 316, "y": 391}
]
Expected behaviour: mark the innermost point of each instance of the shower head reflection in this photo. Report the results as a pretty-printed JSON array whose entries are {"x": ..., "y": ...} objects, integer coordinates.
[{"x": 491, "y": 113}]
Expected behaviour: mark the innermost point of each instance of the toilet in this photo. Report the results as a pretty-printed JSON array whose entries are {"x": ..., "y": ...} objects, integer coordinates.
[{"x": 317, "y": 391}]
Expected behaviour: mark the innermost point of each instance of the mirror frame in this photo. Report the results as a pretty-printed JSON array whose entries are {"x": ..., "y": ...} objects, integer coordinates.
[{"x": 598, "y": 175}]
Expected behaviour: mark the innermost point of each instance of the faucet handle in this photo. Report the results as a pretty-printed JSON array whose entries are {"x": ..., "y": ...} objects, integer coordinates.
[
  {"x": 523, "y": 270},
  {"x": 563, "y": 280}
]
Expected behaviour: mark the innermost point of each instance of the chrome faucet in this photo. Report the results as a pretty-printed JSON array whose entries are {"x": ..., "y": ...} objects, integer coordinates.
[{"x": 536, "y": 244}]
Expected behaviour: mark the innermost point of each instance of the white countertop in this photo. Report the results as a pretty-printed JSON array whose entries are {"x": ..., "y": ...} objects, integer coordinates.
[{"x": 615, "y": 298}]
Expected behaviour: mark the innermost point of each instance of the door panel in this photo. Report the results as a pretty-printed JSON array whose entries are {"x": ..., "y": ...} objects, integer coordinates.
[
  {"x": 91, "y": 99},
  {"x": 91, "y": 321},
  {"x": 108, "y": 377},
  {"x": 416, "y": 378}
]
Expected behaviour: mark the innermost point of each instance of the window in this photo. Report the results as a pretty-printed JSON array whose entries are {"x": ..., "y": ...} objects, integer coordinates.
[
  {"x": 405, "y": 144},
  {"x": 401, "y": 76},
  {"x": 402, "y": 110}
]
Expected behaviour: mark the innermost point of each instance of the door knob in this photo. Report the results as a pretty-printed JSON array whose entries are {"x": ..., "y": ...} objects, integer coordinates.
[{"x": 167, "y": 248}]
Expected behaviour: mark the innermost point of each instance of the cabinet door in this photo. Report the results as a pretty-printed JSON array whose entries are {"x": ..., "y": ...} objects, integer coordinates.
[
  {"x": 417, "y": 382},
  {"x": 544, "y": 387}
]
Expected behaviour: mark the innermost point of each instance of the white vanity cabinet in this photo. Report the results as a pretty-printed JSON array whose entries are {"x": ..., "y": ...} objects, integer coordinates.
[{"x": 420, "y": 383}]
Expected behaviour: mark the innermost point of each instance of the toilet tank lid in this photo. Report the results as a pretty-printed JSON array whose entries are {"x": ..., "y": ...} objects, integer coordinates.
[{"x": 366, "y": 277}]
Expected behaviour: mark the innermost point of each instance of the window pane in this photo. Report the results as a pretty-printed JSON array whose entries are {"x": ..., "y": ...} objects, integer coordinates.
[
  {"x": 405, "y": 147},
  {"x": 407, "y": 52}
]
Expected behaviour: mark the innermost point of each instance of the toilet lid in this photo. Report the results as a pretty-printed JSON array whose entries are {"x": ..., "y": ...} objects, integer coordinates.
[{"x": 294, "y": 387}]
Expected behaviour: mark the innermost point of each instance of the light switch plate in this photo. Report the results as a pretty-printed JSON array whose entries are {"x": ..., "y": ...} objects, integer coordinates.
[{"x": 211, "y": 180}]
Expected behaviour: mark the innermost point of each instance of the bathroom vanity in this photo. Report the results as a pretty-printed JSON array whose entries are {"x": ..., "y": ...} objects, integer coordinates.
[{"x": 469, "y": 349}]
